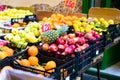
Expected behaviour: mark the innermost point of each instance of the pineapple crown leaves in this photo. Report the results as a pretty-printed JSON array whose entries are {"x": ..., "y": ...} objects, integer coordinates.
[{"x": 62, "y": 30}]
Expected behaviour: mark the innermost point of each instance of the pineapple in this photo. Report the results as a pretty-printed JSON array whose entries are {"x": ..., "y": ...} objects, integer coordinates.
[{"x": 51, "y": 35}]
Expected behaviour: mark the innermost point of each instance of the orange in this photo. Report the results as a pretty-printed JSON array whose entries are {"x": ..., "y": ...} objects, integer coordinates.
[
  {"x": 33, "y": 60},
  {"x": 25, "y": 62},
  {"x": 50, "y": 65},
  {"x": 6, "y": 68},
  {"x": 33, "y": 51}
]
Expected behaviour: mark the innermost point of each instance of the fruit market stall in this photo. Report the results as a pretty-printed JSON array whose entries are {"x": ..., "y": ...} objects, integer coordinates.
[{"x": 59, "y": 46}]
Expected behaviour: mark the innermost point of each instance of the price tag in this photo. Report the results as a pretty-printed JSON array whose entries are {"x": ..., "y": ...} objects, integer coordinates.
[
  {"x": 46, "y": 27},
  {"x": 97, "y": 52},
  {"x": 70, "y": 4}
]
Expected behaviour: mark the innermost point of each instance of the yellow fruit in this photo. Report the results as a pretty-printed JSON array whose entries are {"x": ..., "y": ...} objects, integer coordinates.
[
  {"x": 50, "y": 65},
  {"x": 111, "y": 22},
  {"x": 92, "y": 23},
  {"x": 101, "y": 19},
  {"x": 3, "y": 55},
  {"x": 84, "y": 19},
  {"x": 105, "y": 24},
  {"x": 95, "y": 20}
]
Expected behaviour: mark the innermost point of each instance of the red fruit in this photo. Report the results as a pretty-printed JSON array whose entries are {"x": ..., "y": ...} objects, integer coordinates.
[
  {"x": 65, "y": 37},
  {"x": 93, "y": 38},
  {"x": 61, "y": 47},
  {"x": 71, "y": 41},
  {"x": 64, "y": 53},
  {"x": 79, "y": 34},
  {"x": 58, "y": 52},
  {"x": 88, "y": 35},
  {"x": 45, "y": 46},
  {"x": 53, "y": 48},
  {"x": 81, "y": 40},
  {"x": 66, "y": 45},
  {"x": 69, "y": 50},
  {"x": 60, "y": 41},
  {"x": 71, "y": 35},
  {"x": 72, "y": 55},
  {"x": 97, "y": 36},
  {"x": 73, "y": 46},
  {"x": 86, "y": 45}
]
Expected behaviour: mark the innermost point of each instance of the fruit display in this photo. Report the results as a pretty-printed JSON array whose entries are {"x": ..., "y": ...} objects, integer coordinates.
[
  {"x": 60, "y": 19},
  {"x": 86, "y": 25},
  {"x": 33, "y": 61},
  {"x": 20, "y": 38},
  {"x": 68, "y": 44},
  {"x": 13, "y": 13}
]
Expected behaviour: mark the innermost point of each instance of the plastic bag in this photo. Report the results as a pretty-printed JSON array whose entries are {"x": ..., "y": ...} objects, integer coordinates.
[{"x": 20, "y": 75}]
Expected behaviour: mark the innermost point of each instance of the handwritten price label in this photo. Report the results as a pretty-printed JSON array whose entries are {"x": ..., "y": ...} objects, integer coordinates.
[
  {"x": 70, "y": 3},
  {"x": 46, "y": 27}
]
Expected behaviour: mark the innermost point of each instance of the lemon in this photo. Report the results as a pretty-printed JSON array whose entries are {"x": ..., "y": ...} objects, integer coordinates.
[
  {"x": 3, "y": 55},
  {"x": 101, "y": 20},
  {"x": 84, "y": 19}
]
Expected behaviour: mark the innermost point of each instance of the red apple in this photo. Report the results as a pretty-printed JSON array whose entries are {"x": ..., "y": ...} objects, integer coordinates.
[
  {"x": 93, "y": 38},
  {"x": 86, "y": 45},
  {"x": 81, "y": 40},
  {"x": 73, "y": 46},
  {"x": 53, "y": 48},
  {"x": 66, "y": 45},
  {"x": 88, "y": 35},
  {"x": 61, "y": 47},
  {"x": 71, "y": 35},
  {"x": 45, "y": 46},
  {"x": 71, "y": 41},
  {"x": 97, "y": 36},
  {"x": 69, "y": 50},
  {"x": 58, "y": 52},
  {"x": 60, "y": 41},
  {"x": 79, "y": 34},
  {"x": 72, "y": 55}
]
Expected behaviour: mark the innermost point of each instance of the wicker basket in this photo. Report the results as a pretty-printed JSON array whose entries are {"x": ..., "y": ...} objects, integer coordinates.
[{"x": 106, "y": 13}]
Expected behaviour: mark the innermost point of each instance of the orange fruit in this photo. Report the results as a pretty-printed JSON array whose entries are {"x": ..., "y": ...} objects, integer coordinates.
[
  {"x": 25, "y": 62},
  {"x": 33, "y": 60},
  {"x": 6, "y": 68},
  {"x": 50, "y": 65},
  {"x": 33, "y": 51}
]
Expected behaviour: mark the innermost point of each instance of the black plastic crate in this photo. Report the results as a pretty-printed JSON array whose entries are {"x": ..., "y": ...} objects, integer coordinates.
[
  {"x": 84, "y": 58},
  {"x": 63, "y": 66},
  {"x": 26, "y": 19},
  {"x": 114, "y": 31},
  {"x": 5, "y": 62}
]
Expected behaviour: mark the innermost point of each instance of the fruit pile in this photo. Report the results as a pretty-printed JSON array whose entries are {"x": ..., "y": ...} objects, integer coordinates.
[
  {"x": 70, "y": 43},
  {"x": 34, "y": 62},
  {"x": 13, "y": 13},
  {"x": 20, "y": 38},
  {"x": 86, "y": 25}
]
